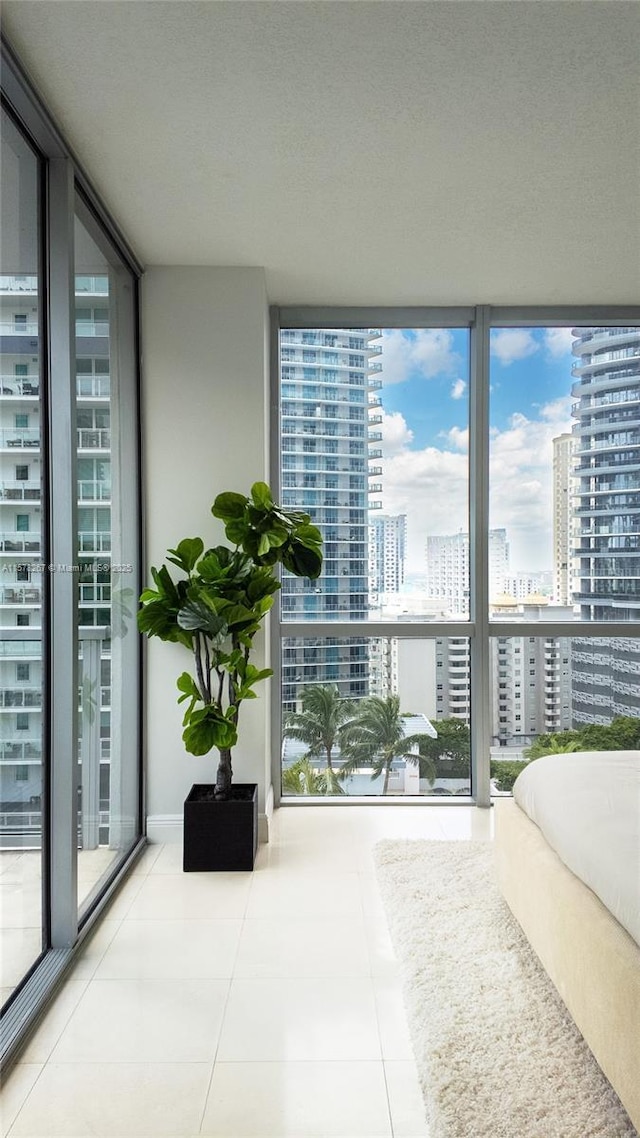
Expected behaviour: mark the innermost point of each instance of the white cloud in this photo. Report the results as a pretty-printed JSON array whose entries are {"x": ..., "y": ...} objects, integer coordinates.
[
  {"x": 458, "y": 388},
  {"x": 558, "y": 341},
  {"x": 510, "y": 344},
  {"x": 429, "y": 351},
  {"x": 458, "y": 438},
  {"x": 431, "y": 485},
  {"x": 396, "y": 435}
]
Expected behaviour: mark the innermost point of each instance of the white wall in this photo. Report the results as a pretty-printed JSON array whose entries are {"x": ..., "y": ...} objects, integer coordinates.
[{"x": 205, "y": 429}]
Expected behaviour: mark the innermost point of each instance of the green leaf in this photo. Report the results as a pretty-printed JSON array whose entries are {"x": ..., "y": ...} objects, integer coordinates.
[
  {"x": 187, "y": 685},
  {"x": 196, "y": 616},
  {"x": 261, "y": 495},
  {"x": 228, "y": 506},
  {"x": 187, "y": 553}
]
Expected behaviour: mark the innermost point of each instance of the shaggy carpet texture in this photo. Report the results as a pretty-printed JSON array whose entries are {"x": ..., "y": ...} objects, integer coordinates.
[{"x": 497, "y": 1053}]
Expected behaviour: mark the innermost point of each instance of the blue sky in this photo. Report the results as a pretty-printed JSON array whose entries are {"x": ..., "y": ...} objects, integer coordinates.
[{"x": 425, "y": 402}]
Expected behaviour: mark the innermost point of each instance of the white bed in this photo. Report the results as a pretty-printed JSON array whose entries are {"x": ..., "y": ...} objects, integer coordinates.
[{"x": 568, "y": 861}]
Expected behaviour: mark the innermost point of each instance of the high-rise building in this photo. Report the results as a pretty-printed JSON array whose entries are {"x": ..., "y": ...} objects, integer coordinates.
[
  {"x": 22, "y": 555},
  {"x": 530, "y": 677},
  {"x": 447, "y": 568},
  {"x": 387, "y": 546},
  {"x": 563, "y": 518},
  {"x": 330, "y": 429},
  {"x": 606, "y": 672}
]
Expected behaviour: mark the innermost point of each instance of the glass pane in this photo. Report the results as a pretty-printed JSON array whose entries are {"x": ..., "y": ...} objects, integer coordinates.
[
  {"x": 374, "y": 427},
  {"x": 107, "y": 577},
  {"x": 376, "y": 716},
  {"x": 21, "y": 674},
  {"x": 557, "y": 693},
  {"x": 565, "y": 469}
]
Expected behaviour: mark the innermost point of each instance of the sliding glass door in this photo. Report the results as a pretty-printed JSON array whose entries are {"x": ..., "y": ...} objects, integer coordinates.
[{"x": 70, "y": 753}]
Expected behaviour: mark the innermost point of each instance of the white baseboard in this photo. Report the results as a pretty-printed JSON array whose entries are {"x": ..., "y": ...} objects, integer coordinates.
[{"x": 168, "y": 827}]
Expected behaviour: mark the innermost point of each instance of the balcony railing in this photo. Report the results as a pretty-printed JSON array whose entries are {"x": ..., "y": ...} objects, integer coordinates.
[
  {"x": 8, "y": 328},
  {"x": 93, "y": 386},
  {"x": 17, "y": 596},
  {"x": 20, "y": 439},
  {"x": 19, "y": 543},
  {"x": 94, "y": 439},
  {"x": 19, "y": 385},
  {"x": 21, "y": 491},
  {"x": 21, "y": 697}
]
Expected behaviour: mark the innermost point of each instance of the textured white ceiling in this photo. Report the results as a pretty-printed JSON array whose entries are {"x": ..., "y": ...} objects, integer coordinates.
[{"x": 388, "y": 152}]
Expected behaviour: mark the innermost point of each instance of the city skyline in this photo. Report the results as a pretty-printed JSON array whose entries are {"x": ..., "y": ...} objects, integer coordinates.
[{"x": 425, "y": 434}]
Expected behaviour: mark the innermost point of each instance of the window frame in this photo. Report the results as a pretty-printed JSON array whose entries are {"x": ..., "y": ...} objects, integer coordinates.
[
  {"x": 62, "y": 181},
  {"x": 480, "y": 320}
]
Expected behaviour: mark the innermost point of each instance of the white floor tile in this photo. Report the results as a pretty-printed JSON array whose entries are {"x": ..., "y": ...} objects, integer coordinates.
[
  {"x": 188, "y": 896},
  {"x": 291, "y": 893},
  {"x": 171, "y": 950},
  {"x": 405, "y": 1101},
  {"x": 392, "y": 1020},
  {"x": 297, "y": 1100},
  {"x": 298, "y": 947},
  {"x": 305, "y": 1019},
  {"x": 15, "y": 1089},
  {"x": 145, "y": 1020},
  {"x": 115, "y": 1100},
  {"x": 95, "y": 948}
]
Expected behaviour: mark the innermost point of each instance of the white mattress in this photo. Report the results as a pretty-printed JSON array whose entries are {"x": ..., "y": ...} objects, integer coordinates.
[{"x": 587, "y": 805}]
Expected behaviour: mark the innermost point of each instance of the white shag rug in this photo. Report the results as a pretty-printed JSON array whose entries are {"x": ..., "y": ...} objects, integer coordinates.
[{"x": 497, "y": 1053}]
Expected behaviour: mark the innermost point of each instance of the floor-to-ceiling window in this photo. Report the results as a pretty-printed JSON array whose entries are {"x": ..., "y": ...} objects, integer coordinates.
[
  {"x": 70, "y": 755},
  {"x": 475, "y": 476}
]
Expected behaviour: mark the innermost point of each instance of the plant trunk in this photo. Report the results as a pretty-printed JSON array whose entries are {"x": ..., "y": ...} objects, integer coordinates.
[
  {"x": 328, "y": 750},
  {"x": 224, "y": 775},
  {"x": 385, "y": 785}
]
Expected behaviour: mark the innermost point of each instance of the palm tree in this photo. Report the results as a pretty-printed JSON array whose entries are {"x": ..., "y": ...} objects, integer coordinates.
[
  {"x": 547, "y": 745},
  {"x": 303, "y": 778},
  {"x": 318, "y": 725},
  {"x": 377, "y": 736}
]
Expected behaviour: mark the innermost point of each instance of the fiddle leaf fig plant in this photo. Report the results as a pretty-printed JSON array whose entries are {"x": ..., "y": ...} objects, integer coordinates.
[{"x": 218, "y": 605}]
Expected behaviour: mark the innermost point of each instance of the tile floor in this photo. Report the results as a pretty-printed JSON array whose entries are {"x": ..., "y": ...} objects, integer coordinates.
[{"x": 263, "y": 1005}]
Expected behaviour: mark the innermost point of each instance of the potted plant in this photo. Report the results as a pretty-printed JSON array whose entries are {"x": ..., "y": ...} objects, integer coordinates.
[{"x": 215, "y": 610}]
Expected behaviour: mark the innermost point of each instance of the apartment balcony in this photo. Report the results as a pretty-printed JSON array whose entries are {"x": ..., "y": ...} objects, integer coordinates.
[
  {"x": 93, "y": 387},
  {"x": 374, "y": 349},
  {"x": 20, "y": 386},
  {"x": 22, "y": 491},
  {"x": 374, "y": 384},
  {"x": 25, "y": 285},
  {"x": 375, "y": 437},
  {"x": 19, "y": 543},
  {"x": 14, "y": 595},
  {"x": 21, "y": 697},
  {"x": 17, "y": 439},
  {"x": 374, "y": 367},
  {"x": 92, "y": 328},
  {"x": 99, "y": 542},
  {"x": 374, "y": 471},
  {"x": 9, "y": 328},
  {"x": 375, "y": 488},
  {"x": 91, "y": 286},
  {"x": 90, "y": 439},
  {"x": 376, "y": 402},
  {"x": 377, "y": 453},
  {"x": 11, "y": 751},
  {"x": 94, "y": 490}
]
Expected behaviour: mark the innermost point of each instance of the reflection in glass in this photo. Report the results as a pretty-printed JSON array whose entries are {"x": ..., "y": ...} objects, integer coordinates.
[
  {"x": 21, "y": 674},
  {"x": 407, "y": 733},
  {"x": 106, "y": 565}
]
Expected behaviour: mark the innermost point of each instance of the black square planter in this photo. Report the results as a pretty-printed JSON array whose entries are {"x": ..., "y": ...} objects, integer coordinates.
[{"x": 220, "y": 834}]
